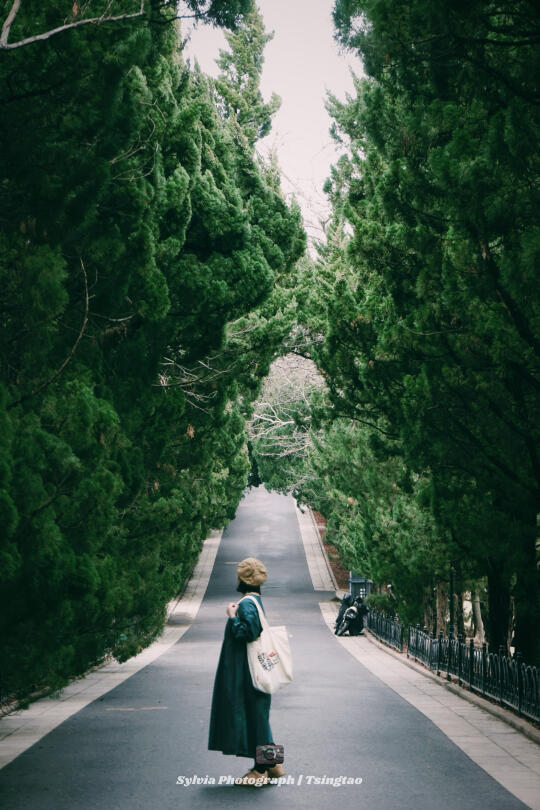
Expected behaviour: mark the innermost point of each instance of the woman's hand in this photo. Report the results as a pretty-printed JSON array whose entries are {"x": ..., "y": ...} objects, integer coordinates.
[{"x": 232, "y": 607}]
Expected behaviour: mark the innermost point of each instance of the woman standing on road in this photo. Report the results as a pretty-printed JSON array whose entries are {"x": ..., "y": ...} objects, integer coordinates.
[{"x": 239, "y": 719}]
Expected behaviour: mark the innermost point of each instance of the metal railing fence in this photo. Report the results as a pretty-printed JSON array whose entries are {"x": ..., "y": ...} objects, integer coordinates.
[
  {"x": 510, "y": 681},
  {"x": 386, "y": 629}
]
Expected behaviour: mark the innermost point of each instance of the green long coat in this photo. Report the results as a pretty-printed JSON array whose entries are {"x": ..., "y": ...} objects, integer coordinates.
[{"x": 239, "y": 720}]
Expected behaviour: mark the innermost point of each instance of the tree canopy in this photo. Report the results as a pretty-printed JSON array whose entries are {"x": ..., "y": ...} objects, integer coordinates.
[
  {"x": 151, "y": 271},
  {"x": 143, "y": 246}
]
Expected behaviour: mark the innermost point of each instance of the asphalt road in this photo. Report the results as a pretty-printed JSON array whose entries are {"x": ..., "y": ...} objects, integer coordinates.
[{"x": 127, "y": 749}]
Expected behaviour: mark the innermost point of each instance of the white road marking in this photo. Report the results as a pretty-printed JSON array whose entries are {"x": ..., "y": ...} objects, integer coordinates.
[{"x": 134, "y": 708}]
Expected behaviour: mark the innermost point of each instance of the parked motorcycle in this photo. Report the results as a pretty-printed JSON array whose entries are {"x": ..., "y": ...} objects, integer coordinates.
[{"x": 351, "y": 616}]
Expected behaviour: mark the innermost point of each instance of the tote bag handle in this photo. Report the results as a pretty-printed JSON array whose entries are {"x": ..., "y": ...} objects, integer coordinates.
[{"x": 269, "y": 656}]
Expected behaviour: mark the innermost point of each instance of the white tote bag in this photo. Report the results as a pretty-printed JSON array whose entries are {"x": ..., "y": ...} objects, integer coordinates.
[{"x": 269, "y": 656}]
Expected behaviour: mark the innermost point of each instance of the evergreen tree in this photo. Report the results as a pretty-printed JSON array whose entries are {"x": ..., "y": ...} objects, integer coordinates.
[
  {"x": 434, "y": 338},
  {"x": 238, "y": 86},
  {"x": 136, "y": 233}
]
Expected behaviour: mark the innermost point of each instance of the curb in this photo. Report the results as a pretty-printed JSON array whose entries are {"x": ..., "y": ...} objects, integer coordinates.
[
  {"x": 323, "y": 550},
  {"x": 320, "y": 571}
]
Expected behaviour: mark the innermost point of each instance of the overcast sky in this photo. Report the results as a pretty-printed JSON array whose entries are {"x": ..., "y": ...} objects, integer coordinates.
[{"x": 302, "y": 62}]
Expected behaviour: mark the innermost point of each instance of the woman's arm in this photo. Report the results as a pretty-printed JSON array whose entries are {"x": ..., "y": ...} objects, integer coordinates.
[{"x": 246, "y": 624}]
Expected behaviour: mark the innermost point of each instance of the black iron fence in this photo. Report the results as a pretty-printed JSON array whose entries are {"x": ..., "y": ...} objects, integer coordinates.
[
  {"x": 388, "y": 630},
  {"x": 510, "y": 681}
]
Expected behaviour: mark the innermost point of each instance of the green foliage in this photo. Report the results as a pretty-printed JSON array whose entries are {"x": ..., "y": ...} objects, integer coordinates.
[
  {"x": 432, "y": 331},
  {"x": 226, "y": 13},
  {"x": 238, "y": 86},
  {"x": 383, "y": 602},
  {"x": 143, "y": 256}
]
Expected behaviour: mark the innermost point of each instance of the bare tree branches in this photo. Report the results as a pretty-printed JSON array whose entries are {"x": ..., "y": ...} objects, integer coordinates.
[
  {"x": 105, "y": 17},
  {"x": 281, "y": 424}
]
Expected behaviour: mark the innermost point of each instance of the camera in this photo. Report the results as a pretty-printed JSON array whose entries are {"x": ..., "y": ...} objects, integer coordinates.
[{"x": 269, "y": 754}]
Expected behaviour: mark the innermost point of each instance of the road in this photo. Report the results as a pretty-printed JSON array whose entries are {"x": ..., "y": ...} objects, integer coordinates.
[{"x": 127, "y": 749}]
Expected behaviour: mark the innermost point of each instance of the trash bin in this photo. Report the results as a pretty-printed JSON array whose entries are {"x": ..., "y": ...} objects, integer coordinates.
[{"x": 359, "y": 585}]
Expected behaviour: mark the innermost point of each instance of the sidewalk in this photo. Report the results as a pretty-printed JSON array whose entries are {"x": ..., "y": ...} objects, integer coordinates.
[
  {"x": 495, "y": 743},
  {"x": 505, "y": 753}
]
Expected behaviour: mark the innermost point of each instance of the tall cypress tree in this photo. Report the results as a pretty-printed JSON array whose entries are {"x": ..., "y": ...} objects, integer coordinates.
[
  {"x": 238, "y": 86},
  {"x": 439, "y": 335}
]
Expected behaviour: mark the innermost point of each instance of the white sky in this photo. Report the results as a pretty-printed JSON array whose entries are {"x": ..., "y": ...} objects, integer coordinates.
[{"x": 301, "y": 63}]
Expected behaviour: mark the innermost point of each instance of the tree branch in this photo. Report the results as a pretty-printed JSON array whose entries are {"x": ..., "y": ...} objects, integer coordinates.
[
  {"x": 9, "y": 22},
  {"x": 6, "y": 46}
]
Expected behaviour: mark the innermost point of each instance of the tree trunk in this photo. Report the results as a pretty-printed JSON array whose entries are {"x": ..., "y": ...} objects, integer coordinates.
[
  {"x": 442, "y": 606},
  {"x": 527, "y": 604},
  {"x": 512, "y": 626},
  {"x": 429, "y": 612},
  {"x": 478, "y": 624},
  {"x": 460, "y": 621},
  {"x": 498, "y": 618}
]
